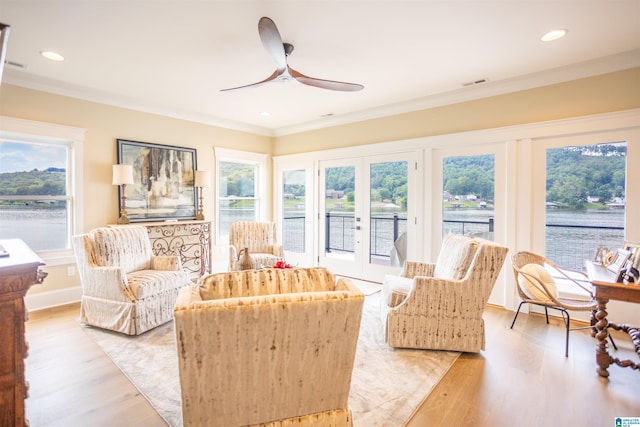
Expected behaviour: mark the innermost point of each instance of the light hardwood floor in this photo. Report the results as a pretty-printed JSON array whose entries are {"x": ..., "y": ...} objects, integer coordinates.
[{"x": 522, "y": 379}]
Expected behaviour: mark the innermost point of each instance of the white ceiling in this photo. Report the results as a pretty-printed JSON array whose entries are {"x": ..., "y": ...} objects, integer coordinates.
[{"x": 172, "y": 57}]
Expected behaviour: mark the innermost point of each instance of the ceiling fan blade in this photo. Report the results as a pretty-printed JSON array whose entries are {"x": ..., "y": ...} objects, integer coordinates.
[
  {"x": 272, "y": 42},
  {"x": 325, "y": 84},
  {"x": 273, "y": 76}
]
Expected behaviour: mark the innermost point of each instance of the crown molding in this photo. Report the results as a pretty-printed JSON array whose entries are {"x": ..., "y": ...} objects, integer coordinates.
[{"x": 618, "y": 62}]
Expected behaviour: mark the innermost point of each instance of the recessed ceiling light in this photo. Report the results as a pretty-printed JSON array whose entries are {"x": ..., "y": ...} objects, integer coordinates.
[
  {"x": 52, "y": 55},
  {"x": 554, "y": 35},
  {"x": 265, "y": 113}
]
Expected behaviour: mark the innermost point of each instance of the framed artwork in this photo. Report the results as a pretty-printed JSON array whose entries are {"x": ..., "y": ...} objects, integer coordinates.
[
  {"x": 163, "y": 178},
  {"x": 619, "y": 262}
]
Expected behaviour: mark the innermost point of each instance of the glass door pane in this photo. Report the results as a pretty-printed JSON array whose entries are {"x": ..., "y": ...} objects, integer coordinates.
[
  {"x": 339, "y": 208},
  {"x": 293, "y": 210},
  {"x": 388, "y": 199},
  {"x": 468, "y": 195}
]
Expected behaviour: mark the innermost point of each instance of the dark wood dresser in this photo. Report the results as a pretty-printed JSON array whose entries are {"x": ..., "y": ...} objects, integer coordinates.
[{"x": 18, "y": 271}]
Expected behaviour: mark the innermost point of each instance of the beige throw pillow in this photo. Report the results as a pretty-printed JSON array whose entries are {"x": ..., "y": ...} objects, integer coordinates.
[{"x": 531, "y": 282}]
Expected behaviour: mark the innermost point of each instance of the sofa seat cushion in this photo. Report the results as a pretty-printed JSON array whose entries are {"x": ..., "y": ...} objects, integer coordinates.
[
  {"x": 147, "y": 283},
  {"x": 455, "y": 257}
]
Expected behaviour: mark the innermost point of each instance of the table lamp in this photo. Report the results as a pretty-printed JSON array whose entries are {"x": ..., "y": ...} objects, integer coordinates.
[
  {"x": 202, "y": 180},
  {"x": 123, "y": 175}
]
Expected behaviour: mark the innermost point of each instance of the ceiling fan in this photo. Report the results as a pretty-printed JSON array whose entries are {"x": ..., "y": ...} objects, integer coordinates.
[{"x": 280, "y": 51}]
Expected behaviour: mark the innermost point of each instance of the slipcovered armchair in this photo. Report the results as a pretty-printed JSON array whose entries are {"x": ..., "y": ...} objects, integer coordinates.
[
  {"x": 260, "y": 238},
  {"x": 125, "y": 288},
  {"x": 440, "y": 306},
  {"x": 270, "y": 347}
]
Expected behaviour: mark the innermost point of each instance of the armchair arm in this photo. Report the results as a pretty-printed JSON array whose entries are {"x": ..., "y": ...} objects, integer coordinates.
[
  {"x": 278, "y": 251},
  {"x": 166, "y": 263},
  {"x": 442, "y": 298},
  {"x": 233, "y": 257},
  {"x": 412, "y": 269},
  {"x": 108, "y": 283}
]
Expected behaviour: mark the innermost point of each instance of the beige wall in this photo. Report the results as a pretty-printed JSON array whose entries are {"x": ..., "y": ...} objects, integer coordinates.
[
  {"x": 105, "y": 124},
  {"x": 606, "y": 93},
  {"x": 595, "y": 95}
]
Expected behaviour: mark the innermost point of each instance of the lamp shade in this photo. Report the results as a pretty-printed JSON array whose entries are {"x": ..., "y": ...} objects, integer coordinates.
[
  {"x": 203, "y": 179},
  {"x": 122, "y": 174}
]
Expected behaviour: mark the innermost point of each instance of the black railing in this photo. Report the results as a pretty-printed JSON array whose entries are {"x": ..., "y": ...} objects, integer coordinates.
[
  {"x": 570, "y": 245},
  {"x": 567, "y": 245},
  {"x": 385, "y": 230},
  {"x": 469, "y": 227}
]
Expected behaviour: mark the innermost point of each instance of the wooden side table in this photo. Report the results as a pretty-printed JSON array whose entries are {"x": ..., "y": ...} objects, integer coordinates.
[
  {"x": 18, "y": 272},
  {"x": 606, "y": 288}
]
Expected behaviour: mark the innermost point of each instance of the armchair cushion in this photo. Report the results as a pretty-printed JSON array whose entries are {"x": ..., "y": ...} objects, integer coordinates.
[
  {"x": 533, "y": 280},
  {"x": 121, "y": 247}
]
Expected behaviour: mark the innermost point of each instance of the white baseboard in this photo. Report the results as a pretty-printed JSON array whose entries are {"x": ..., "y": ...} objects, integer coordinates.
[{"x": 55, "y": 298}]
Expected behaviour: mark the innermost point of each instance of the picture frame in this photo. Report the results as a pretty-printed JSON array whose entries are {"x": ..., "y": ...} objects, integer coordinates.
[
  {"x": 163, "y": 175},
  {"x": 619, "y": 262},
  {"x": 601, "y": 252},
  {"x": 634, "y": 248}
]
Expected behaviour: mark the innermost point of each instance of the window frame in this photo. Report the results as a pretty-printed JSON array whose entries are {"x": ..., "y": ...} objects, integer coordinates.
[
  {"x": 27, "y": 131},
  {"x": 244, "y": 157}
]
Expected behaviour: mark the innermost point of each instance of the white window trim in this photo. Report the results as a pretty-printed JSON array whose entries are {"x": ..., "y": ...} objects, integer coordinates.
[{"x": 32, "y": 131}]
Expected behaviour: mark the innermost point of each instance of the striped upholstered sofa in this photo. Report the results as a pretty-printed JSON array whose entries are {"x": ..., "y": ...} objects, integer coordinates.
[{"x": 268, "y": 347}]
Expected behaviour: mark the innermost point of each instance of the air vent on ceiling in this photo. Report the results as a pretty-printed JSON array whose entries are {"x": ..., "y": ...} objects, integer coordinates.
[
  {"x": 15, "y": 64},
  {"x": 474, "y": 82},
  {"x": 326, "y": 115}
]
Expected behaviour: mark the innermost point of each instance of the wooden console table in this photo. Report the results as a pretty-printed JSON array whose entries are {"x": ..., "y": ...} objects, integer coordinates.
[
  {"x": 190, "y": 240},
  {"x": 18, "y": 272},
  {"x": 607, "y": 289}
]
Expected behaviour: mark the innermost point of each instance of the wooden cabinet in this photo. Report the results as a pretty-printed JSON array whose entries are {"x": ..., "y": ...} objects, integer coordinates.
[{"x": 18, "y": 272}]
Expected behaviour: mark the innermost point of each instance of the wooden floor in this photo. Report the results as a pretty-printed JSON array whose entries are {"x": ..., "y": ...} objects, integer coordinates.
[{"x": 522, "y": 379}]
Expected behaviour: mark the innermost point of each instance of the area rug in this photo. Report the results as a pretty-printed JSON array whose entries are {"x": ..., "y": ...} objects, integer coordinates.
[{"x": 387, "y": 384}]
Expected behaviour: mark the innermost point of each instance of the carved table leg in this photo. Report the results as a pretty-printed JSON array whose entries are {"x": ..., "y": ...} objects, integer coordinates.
[{"x": 603, "y": 359}]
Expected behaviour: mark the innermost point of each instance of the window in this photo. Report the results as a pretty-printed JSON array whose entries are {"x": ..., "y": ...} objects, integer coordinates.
[
  {"x": 468, "y": 195},
  {"x": 38, "y": 186},
  {"x": 240, "y": 188},
  {"x": 585, "y": 201}
]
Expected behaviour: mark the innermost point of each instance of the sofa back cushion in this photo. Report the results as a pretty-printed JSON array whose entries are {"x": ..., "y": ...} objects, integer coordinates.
[
  {"x": 265, "y": 282},
  {"x": 126, "y": 247},
  {"x": 455, "y": 257}
]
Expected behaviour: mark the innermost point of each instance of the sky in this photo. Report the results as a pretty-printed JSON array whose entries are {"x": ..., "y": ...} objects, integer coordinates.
[{"x": 18, "y": 157}]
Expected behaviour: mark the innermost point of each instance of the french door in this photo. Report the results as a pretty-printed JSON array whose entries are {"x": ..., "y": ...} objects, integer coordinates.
[{"x": 365, "y": 213}]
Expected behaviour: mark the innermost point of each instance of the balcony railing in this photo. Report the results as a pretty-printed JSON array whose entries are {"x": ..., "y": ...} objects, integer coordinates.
[{"x": 567, "y": 245}]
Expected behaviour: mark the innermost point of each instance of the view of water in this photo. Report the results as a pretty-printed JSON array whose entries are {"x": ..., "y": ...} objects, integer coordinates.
[
  {"x": 40, "y": 228},
  {"x": 46, "y": 228}
]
